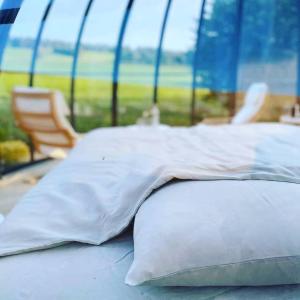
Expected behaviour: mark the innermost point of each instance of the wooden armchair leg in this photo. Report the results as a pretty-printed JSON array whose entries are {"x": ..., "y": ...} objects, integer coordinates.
[{"x": 31, "y": 148}]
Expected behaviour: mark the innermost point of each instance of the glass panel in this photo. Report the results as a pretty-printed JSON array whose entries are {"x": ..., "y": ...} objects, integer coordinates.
[
  {"x": 273, "y": 50},
  {"x": 7, "y": 4},
  {"x": 217, "y": 59},
  {"x": 94, "y": 79},
  {"x": 269, "y": 47},
  {"x": 16, "y": 62},
  {"x": 54, "y": 62},
  {"x": 254, "y": 48},
  {"x": 138, "y": 59},
  {"x": 175, "y": 83},
  {"x": 216, "y": 63},
  {"x": 17, "y": 56}
]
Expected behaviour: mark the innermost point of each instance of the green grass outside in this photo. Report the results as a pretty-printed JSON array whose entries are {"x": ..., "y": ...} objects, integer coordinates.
[
  {"x": 95, "y": 64},
  {"x": 93, "y": 102}
]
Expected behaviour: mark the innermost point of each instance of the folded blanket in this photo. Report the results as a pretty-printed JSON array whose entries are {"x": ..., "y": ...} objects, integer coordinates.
[{"x": 95, "y": 193}]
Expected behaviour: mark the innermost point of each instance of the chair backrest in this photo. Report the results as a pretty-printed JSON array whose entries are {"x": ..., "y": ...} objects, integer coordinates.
[
  {"x": 42, "y": 114},
  {"x": 254, "y": 100}
]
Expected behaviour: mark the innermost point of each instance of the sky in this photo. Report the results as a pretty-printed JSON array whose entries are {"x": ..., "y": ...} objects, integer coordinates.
[{"x": 104, "y": 21}]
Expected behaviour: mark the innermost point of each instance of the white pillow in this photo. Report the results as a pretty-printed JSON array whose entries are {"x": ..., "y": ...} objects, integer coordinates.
[{"x": 218, "y": 233}]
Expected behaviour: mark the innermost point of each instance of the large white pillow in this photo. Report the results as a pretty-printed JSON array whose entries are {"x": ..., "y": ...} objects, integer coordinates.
[{"x": 218, "y": 233}]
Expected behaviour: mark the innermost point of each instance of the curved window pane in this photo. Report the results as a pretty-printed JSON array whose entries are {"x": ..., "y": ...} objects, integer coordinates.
[
  {"x": 94, "y": 76},
  {"x": 17, "y": 56},
  {"x": 55, "y": 56},
  {"x": 269, "y": 52},
  {"x": 138, "y": 59},
  {"x": 274, "y": 49},
  {"x": 217, "y": 59},
  {"x": 176, "y": 66},
  {"x": 16, "y": 63}
]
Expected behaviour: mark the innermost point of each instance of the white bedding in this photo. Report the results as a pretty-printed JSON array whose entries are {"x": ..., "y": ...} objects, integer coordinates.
[
  {"x": 94, "y": 194},
  {"x": 83, "y": 272}
]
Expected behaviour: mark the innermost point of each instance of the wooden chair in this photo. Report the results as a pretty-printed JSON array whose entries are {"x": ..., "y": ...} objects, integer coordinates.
[{"x": 41, "y": 113}]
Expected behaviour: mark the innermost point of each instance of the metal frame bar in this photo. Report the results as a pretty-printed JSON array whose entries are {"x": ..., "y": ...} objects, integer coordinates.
[
  {"x": 116, "y": 67},
  {"x": 6, "y": 171},
  {"x": 236, "y": 55},
  {"x": 195, "y": 60},
  {"x": 159, "y": 51},
  {"x": 75, "y": 62},
  {"x": 37, "y": 43}
]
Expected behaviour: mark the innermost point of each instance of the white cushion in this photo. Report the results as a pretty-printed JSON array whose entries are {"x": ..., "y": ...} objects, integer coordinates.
[
  {"x": 218, "y": 233},
  {"x": 253, "y": 103}
]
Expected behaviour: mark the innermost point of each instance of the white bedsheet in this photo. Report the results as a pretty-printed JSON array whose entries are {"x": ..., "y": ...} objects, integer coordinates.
[
  {"x": 84, "y": 272},
  {"x": 94, "y": 194}
]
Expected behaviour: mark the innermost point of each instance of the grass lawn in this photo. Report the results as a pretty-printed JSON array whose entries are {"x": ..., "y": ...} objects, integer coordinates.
[
  {"x": 93, "y": 89},
  {"x": 96, "y": 65}
]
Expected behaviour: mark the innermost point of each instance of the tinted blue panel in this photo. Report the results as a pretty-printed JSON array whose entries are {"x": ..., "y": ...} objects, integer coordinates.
[
  {"x": 269, "y": 45},
  {"x": 256, "y": 41},
  {"x": 8, "y": 16},
  {"x": 216, "y": 63},
  {"x": 8, "y": 4}
]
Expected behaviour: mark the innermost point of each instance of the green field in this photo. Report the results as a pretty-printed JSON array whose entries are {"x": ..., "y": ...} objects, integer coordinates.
[
  {"x": 97, "y": 65},
  {"x": 93, "y": 92}
]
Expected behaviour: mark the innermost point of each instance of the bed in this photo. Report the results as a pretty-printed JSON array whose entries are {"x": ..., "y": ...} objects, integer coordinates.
[
  {"x": 79, "y": 271},
  {"x": 82, "y": 271}
]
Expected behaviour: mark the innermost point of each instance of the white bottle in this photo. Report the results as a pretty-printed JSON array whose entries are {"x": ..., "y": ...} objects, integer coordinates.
[
  {"x": 297, "y": 110},
  {"x": 155, "y": 115}
]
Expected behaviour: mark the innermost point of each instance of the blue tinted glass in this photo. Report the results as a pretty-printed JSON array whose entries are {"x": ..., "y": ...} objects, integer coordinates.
[
  {"x": 269, "y": 45},
  {"x": 216, "y": 62}
]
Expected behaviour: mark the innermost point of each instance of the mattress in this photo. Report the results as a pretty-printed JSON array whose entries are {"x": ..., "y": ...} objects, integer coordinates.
[{"x": 79, "y": 271}]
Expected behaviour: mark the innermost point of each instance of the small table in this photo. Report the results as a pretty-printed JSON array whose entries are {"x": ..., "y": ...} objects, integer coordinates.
[{"x": 287, "y": 119}]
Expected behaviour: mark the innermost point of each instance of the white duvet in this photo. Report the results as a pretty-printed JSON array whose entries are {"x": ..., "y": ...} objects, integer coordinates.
[{"x": 95, "y": 193}]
